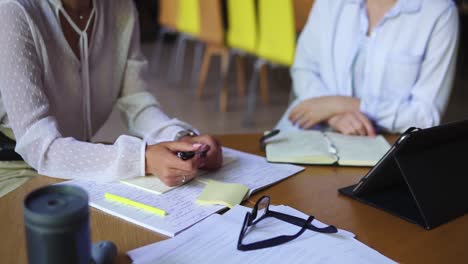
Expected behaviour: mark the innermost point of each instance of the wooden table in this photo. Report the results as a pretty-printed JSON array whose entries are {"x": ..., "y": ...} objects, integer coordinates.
[{"x": 313, "y": 191}]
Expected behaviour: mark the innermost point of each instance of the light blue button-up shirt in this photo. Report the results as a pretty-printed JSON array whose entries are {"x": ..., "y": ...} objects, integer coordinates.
[{"x": 410, "y": 63}]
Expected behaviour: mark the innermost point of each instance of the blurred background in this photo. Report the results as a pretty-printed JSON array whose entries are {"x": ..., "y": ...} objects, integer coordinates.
[{"x": 223, "y": 65}]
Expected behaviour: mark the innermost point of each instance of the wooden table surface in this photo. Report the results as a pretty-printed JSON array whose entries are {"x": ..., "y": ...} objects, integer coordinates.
[{"x": 313, "y": 191}]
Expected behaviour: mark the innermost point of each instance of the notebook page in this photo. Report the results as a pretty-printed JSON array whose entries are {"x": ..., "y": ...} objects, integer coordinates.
[
  {"x": 359, "y": 150},
  {"x": 155, "y": 185},
  {"x": 303, "y": 147},
  {"x": 182, "y": 211},
  {"x": 250, "y": 170},
  {"x": 148, "y": 183}
]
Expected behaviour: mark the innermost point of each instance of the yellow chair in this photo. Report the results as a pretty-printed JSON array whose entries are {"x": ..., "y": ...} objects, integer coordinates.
[
  {"x": 240, "y": 38},
  {"x": 277, "y": 36},
  {"x": 276, "y": 46},
  {"x": 188, "y": 20},
  {"x": 167, "y": 20},
  {"x": 242, "y": 30},
  {"x": 188, "y": 24}
]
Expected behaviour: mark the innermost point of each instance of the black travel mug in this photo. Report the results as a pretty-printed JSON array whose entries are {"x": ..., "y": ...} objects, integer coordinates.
[{"x": 56, "y": 220}]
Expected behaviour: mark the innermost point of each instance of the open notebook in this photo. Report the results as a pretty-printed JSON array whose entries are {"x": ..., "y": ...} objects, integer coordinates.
[
  {"x": 316, "y": 147},
  {"x": 155, "y": 185}
]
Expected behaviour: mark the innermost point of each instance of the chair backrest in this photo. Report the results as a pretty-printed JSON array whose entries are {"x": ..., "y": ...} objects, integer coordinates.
[
  {"x": 211, "y": 22},
  {"x": 277, "y": 36},
  {"x": 242, "y": 21},
  {"x": 188, "y": 17},
  {"x": 301, "y": 13},
  {"x": 168, "y": 13}
]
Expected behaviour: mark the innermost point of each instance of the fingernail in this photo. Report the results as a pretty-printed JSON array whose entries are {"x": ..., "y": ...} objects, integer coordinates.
[
  {"x": 196, "y": 145},
  {"x": 205, "y": 147}
]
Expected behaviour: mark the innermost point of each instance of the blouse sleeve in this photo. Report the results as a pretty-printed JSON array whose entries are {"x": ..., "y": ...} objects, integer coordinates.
[
  {"x": 305, "y": 72},
  {"x": 38, "y": 136},
  {"x": 140, "y": 109}
]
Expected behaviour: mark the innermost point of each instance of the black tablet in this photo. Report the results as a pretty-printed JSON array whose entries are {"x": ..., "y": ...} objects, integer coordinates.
[{"x": 421, "y": 177}]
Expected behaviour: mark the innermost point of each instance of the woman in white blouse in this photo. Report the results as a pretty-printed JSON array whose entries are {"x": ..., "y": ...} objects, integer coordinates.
[
  {"x": 63, "y": 66},
  {"x": 362, "y": 64}
]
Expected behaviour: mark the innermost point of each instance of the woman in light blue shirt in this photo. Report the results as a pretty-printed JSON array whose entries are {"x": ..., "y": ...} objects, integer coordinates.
[{"x": 362, "y": 65}]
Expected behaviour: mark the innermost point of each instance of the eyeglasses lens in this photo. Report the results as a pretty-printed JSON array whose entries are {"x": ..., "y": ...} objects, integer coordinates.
[{"x": 261, "y": 208}]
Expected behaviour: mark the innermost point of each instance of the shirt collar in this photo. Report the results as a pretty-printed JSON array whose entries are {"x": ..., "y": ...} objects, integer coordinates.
[
  {"x": 56, "y": 3},
  {"x": 402, "y": 6}
]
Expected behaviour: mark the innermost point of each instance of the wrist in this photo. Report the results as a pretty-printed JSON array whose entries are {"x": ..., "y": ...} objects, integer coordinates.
[
  {"x": 146, "y": 160},
  {"x": 346, "y": 104},
  {"x": 185, "y": 134}
]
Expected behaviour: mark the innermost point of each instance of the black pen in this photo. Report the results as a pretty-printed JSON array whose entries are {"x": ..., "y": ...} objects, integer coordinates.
[{"x": 186, "y": 155}]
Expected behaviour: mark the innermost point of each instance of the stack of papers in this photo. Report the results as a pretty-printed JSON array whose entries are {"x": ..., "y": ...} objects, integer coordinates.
[
  {"x": 215, "y": 241},
  {"x": 180, "y": 204}
]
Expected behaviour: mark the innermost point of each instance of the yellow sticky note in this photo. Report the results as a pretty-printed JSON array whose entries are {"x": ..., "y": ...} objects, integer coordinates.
[{"x": 228, "y": 194}]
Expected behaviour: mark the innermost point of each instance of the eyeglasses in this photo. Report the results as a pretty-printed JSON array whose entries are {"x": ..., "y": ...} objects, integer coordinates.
[{"x": 261, "y": 211}]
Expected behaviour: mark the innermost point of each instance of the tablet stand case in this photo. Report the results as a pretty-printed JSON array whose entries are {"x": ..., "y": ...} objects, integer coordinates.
[
  {"x": 7, "y": 149},
  {"x": 423, "y": 178}
]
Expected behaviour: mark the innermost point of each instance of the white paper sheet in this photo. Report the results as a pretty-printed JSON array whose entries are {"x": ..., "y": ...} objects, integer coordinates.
[
  {"x": 238, "y": 212},
  {"x": 215, "y": 241}
]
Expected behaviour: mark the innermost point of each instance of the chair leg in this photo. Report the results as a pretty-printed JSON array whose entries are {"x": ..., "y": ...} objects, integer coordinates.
[
  {"x": 240, "y": 65},
  {"x": 223, "y": 95},
  {"x": 205, "y": 66},
  {"x": 178, "y": 67},
  {"x": 265, "y": 95},
  {"x": 252, "y": 95},
  {"x": 156, "y": 56},
  {"x": 197, "y": 62}
]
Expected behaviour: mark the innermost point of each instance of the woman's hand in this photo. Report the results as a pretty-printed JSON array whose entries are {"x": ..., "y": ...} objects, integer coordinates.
[
  {"x": 312, "y": 111},
  {"x": 161, "y": 160},
  {"x": 352, "y": 123},
  {"x": 214, "y": 154}
]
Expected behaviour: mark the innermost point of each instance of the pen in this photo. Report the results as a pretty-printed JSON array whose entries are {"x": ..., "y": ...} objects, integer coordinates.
[
  {"x": 267, "y": 135},
  {"x": 186, "y": 155},
  {"x": 136, "y": 204}
]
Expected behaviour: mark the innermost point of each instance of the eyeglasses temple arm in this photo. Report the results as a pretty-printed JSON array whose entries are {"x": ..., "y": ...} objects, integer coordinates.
[
  {"x": 271, "y": 242},
  {"x": 300, "y": 222}
]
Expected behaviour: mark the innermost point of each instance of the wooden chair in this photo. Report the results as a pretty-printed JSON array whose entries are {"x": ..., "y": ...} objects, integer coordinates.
[
  {"x": 213, "y": 34},
  {"x": 301, "y": 13}
]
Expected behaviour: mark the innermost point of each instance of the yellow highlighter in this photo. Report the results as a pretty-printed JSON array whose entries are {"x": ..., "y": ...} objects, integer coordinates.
[{"x": 136, "y": 204}]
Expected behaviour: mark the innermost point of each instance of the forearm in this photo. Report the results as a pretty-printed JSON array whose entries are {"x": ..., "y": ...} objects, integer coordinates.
[
  {"x": 145, "y": 118},
  {"x": 330, "y": 106},
  {"x": 56, "y": 156}
]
